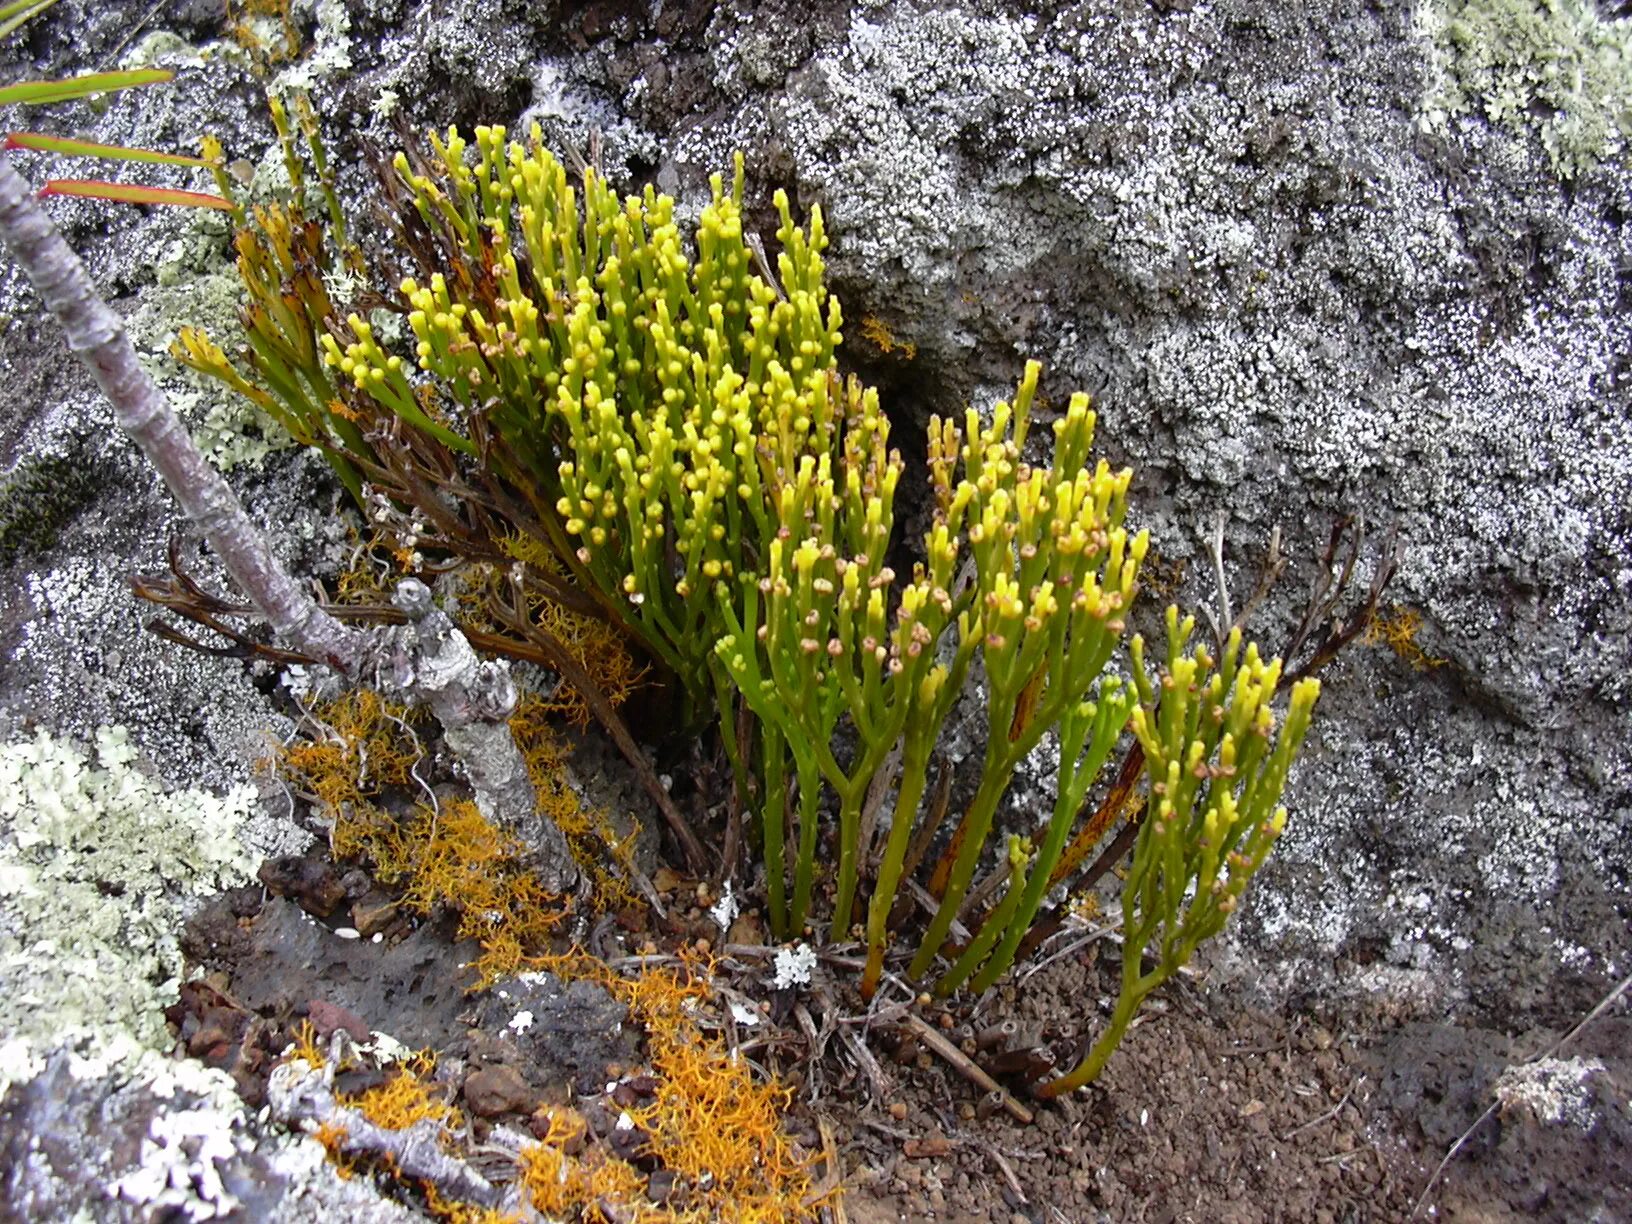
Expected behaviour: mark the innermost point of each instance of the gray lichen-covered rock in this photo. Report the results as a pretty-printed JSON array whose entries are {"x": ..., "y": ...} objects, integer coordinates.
[
  {"x": 1299, "y": 282},
  {"x": 171, "y": 1144},
  {"x": 575, "y": 1029},
  {"x": 1296, "y": 293}
]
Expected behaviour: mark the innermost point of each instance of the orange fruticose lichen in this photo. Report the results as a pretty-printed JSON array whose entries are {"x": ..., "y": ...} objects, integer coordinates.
[
  {"x": 366, "y": 747},
  {"x": 708, "y": 1121},
  {"x": 599, "y": 648},
  {"x": 464, "y": 1213},
  {"x": 563, "y": 1175},
  {"x": 878, "y": 334},
  {"x": 305, "y": 1045},
  {"x": 455, "y": 857},
  {"x": 332, "y": 1135},
  {"x": 589, "y": 832},
  {"x": 409, "y": 1096},
  {"x": 451, "y": 855},
  {"x": 1397, "y": 629}
]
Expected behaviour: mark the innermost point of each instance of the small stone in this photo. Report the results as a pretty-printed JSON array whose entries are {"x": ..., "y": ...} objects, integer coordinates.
[
  {"x": 310, "y": 883},
  {"x": 326, "y": 1017},
  {"x": 665, "y": 880},
  {"x": 664, "y": 1187},
  {"x": 373, "y": 912},
  {"x": 898, "y": 1110},
  {"x": 491, "y": 1091}
]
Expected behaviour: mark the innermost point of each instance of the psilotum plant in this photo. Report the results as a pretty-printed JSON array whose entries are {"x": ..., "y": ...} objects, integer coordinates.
[{"x": 657, "y": 422}]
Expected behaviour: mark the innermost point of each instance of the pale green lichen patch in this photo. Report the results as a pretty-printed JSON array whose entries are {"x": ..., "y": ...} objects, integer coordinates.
[
  {"x": 228, "y": 428},
  {"x": 96, "y": 860},
  {"x": 1552, "y": 67}
]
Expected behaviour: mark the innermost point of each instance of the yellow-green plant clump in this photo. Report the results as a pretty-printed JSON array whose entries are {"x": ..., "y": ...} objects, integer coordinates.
[{"x": 667, "y": 422}]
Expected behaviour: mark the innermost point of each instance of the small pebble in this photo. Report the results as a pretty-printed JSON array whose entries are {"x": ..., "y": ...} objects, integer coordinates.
[{"x": 898, "y": 1110}]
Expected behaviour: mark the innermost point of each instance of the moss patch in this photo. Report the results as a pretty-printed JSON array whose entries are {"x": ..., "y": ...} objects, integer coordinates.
[{"x": 39, "y": 496}]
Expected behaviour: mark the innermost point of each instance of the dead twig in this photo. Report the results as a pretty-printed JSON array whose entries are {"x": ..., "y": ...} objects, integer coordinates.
[
  {"x": 1330, "y": 587},
  {"x": 828, "y": 1193},
  {"x": 1075, "y": 946},
  {"x": 877, "y": 1081},
  {"x": 1005, "y": 1168},
  {"x": 1327, "y": 1116},
  {"x": 961, "y": 1063}
]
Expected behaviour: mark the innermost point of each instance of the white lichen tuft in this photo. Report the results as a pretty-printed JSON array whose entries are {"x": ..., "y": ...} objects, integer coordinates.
[
  {"x": 330, "y": 52},
  {"x": 725, "y": 910},
  {"x": 793, "y": 966},
  {"x": 179, "y": 1168},
  {"x": 95, "y": 860}
]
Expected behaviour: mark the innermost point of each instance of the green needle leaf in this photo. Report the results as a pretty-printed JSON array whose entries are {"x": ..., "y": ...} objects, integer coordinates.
[
  {"x": 34, "y": 93},
  {"x": 127, "y": 193},
  {"x": 13, "y": 15},
  {"x": 42, "y": 143}
]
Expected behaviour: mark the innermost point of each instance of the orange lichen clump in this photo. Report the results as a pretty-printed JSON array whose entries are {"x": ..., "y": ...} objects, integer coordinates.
[
  {"x": 463, "y": 1213},
  {"x": 332, "y": 1137},
  {"x": 711, "y": 1123},
  {"x": 878, "y": 334},
  {"x": 455, "y": 857},
  {"x": 1397, "y": 629},
  {"x": 607, "y": 858},
  {"x": 305, "y": 1045},
  {"x": 708, "y": 1121},
  {"x": 366, "y": 745},
  {"x": 407, "y": 1097},
  {"x": 450, "y": 855},
  {"x": 563, "y": 1175},
  {"x": 599, "y": 648}
]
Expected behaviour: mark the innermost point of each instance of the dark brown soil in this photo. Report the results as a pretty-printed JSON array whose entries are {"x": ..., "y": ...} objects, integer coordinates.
[{"x": 1210, "y": 1111}]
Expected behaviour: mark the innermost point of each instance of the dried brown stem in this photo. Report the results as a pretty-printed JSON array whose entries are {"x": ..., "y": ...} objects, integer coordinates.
[{"x": 965, "y": 1067}]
